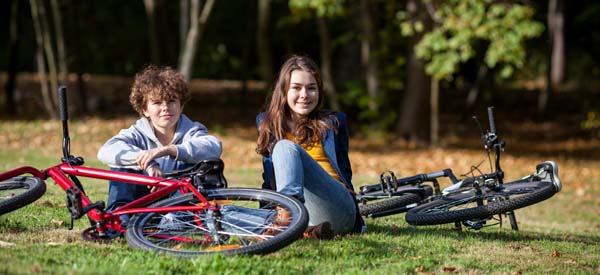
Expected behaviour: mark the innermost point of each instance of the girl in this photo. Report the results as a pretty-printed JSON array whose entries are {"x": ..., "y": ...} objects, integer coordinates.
[{"x": 305, "y": 150}]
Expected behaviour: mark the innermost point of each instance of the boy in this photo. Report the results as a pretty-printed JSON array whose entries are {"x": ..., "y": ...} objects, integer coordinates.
[{"x": 162, "y": 140}]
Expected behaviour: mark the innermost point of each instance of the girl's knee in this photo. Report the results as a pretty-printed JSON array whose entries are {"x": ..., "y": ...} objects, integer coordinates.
[{"x": 285, "y": 146}]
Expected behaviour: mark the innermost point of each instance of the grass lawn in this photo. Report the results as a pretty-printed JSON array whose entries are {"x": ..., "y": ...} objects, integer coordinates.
[{"x": 557, "y": 236}]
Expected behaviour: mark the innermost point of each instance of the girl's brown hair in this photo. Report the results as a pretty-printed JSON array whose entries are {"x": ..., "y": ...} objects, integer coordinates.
[
  {"x": 308, "y": 129},
  {"x": 155, "y": 82}
]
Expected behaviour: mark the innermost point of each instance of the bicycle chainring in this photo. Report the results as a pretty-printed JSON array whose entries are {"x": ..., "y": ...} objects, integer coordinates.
[{"x": 91, "y": 235}]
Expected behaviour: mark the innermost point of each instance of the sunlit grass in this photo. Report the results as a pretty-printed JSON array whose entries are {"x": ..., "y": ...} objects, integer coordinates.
[{"x": 557, "y": 236}]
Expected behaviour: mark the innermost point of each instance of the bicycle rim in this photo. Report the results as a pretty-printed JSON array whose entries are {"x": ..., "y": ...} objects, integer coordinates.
[
  {"x": 237, "y": 228},
  {"x": 468, "y": 205}
]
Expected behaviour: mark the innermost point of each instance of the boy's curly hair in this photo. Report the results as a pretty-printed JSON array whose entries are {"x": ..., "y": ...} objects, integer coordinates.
[{"x": 155, "y": 82}]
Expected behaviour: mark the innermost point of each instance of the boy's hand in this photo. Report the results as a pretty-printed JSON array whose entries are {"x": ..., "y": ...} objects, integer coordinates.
[
  {"x": 145, "y": 157},
  {"x": 154, "y": 171}
]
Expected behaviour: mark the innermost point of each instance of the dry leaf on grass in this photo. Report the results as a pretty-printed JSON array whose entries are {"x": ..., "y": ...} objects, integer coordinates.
[
  {"x": 6, "y": 244},
  {"x": 570, "y": 261},
  {"x": 449, "y": 269}
]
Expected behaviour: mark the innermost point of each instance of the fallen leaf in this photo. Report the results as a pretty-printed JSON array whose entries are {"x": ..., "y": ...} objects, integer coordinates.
[
  {"x": 58, "y": 222},
  {"x": 420, "y": 270},
  {"x": 555, "y": 253},
  {"x": 6, "y": 244},
  {"x": 36, "y": 268},
  {"x": 570, "y": 261},
  {"x": 449, "y": 269}
]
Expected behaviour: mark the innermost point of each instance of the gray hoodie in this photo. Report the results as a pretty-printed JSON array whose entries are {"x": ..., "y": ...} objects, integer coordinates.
[{"x": 191, "y": 139}]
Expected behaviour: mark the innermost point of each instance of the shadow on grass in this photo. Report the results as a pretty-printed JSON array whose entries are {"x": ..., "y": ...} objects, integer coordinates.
[{"x": 504, "y": 234}]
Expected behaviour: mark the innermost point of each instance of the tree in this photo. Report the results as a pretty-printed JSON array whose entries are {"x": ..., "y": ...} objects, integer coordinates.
[
  {"x": 414, "y": 113},
  {"x": 263, "y": 46},
  {"x": 9, "y": 88},
  {"x": 194, "y": 35},
  {"x": 45, "y": 56},
  {"x": 556, "y": 33},
  {"x": 462, "y": 24},
  {"x": 323, "y": 10}
]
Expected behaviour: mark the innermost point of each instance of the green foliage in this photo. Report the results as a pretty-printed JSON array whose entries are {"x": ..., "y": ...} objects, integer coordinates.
[
  {"x": 324, "y": 8},
  {"x": 464, "y": 24}
]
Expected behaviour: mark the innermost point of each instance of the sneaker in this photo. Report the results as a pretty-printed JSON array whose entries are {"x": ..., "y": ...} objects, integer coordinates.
[
  {"x": 170, "y": 222},
  {"x": 320, "y": 231}
]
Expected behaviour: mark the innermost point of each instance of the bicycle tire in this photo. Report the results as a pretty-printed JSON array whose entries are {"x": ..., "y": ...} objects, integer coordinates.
[
  {"x": 394, "y": 202},
  {"x": 20, "y": 191},
  {"x": 462, "y": 206},
  {"x": 185, "y": 234}
]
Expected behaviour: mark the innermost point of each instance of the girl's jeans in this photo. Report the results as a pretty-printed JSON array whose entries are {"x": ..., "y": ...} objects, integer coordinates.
[{"x": 297, "y": 174}]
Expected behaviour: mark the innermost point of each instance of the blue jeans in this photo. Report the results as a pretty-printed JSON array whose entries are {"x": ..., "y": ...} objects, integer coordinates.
[
  {"x": 235, "y": 219},
  {"x": 121, "y": 193},
  {"x": 326, "y": 199}
]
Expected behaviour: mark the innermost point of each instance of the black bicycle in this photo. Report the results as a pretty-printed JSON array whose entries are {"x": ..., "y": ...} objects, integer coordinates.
[{"x": 471, "y": 201}]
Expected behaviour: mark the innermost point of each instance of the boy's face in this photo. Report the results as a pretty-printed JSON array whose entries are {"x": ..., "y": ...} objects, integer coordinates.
[{"x": 163, "y": 113}]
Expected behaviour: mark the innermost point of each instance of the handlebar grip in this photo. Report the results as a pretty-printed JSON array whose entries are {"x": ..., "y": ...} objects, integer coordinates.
[
  {"x": 62, "y": 103},
  {"x": 490, "y": 111},
  {"x": 435, "y": 175}
]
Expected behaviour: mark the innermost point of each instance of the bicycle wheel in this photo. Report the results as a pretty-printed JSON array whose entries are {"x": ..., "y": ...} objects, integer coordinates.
[
  {"x": 467, "y": 205},
  {"x": 20, "y": 191},
  {"x": 239, "y": 226},
  {"x": 394, "y": 202}
]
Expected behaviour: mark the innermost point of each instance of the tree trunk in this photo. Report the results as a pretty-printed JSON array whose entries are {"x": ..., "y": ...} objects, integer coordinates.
[
  {"x": 369, "y": 62},
  {"x": 60, "y": 42},
  {"x": 184, "y": 20},
  {"x": 83, "y": 104},
  {"x": 435, "y": 117},
  {"x": 49, "y": 51},
  {"x": 414, "y": 120},
  {"x": 263, "y": 48},
  {"x": 325, "y": 49},
  {"x": 150, "y": 6},
  {"x": 556, "y": 33},
  {"x": 41, "y": 64},
  {"x": 475, "y": 88},
  {"x": 197, "y": 26},
  {"x": 13, "y": 40},
  {"x": 556, "y": 21}
]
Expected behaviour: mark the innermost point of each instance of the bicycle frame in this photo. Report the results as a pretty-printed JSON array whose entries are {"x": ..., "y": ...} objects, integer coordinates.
[{"x": 110, "y": 220}]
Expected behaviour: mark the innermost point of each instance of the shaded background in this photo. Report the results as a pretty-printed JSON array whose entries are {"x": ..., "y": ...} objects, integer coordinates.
[{"x": 365, "y": 48}]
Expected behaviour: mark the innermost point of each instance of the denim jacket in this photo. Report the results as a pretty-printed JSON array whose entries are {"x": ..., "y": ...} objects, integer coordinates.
[{"x": 336, "y": 150}]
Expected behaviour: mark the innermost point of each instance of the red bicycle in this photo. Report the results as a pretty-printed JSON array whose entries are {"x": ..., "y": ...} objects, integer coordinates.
[{"x": 189, "y": 215}]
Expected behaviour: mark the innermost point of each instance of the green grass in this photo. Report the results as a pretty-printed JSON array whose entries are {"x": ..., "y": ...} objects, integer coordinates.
[{"x": 557, "y": 236}]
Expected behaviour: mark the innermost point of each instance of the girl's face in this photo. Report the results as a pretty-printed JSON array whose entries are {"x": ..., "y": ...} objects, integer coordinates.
[
  {"x": 163, "y": 114},
  {"x": 303, "y": 94}
]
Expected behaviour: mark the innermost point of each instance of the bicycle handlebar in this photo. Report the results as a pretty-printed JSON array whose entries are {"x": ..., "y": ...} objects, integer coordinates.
[
  {"x": 429, "y": 176},
  {"x": 64, "y": 116},
  {"x": 62, "y": 103},
  {"x": 490, "y": 111},
  {"x": 416, "y": 179}
]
